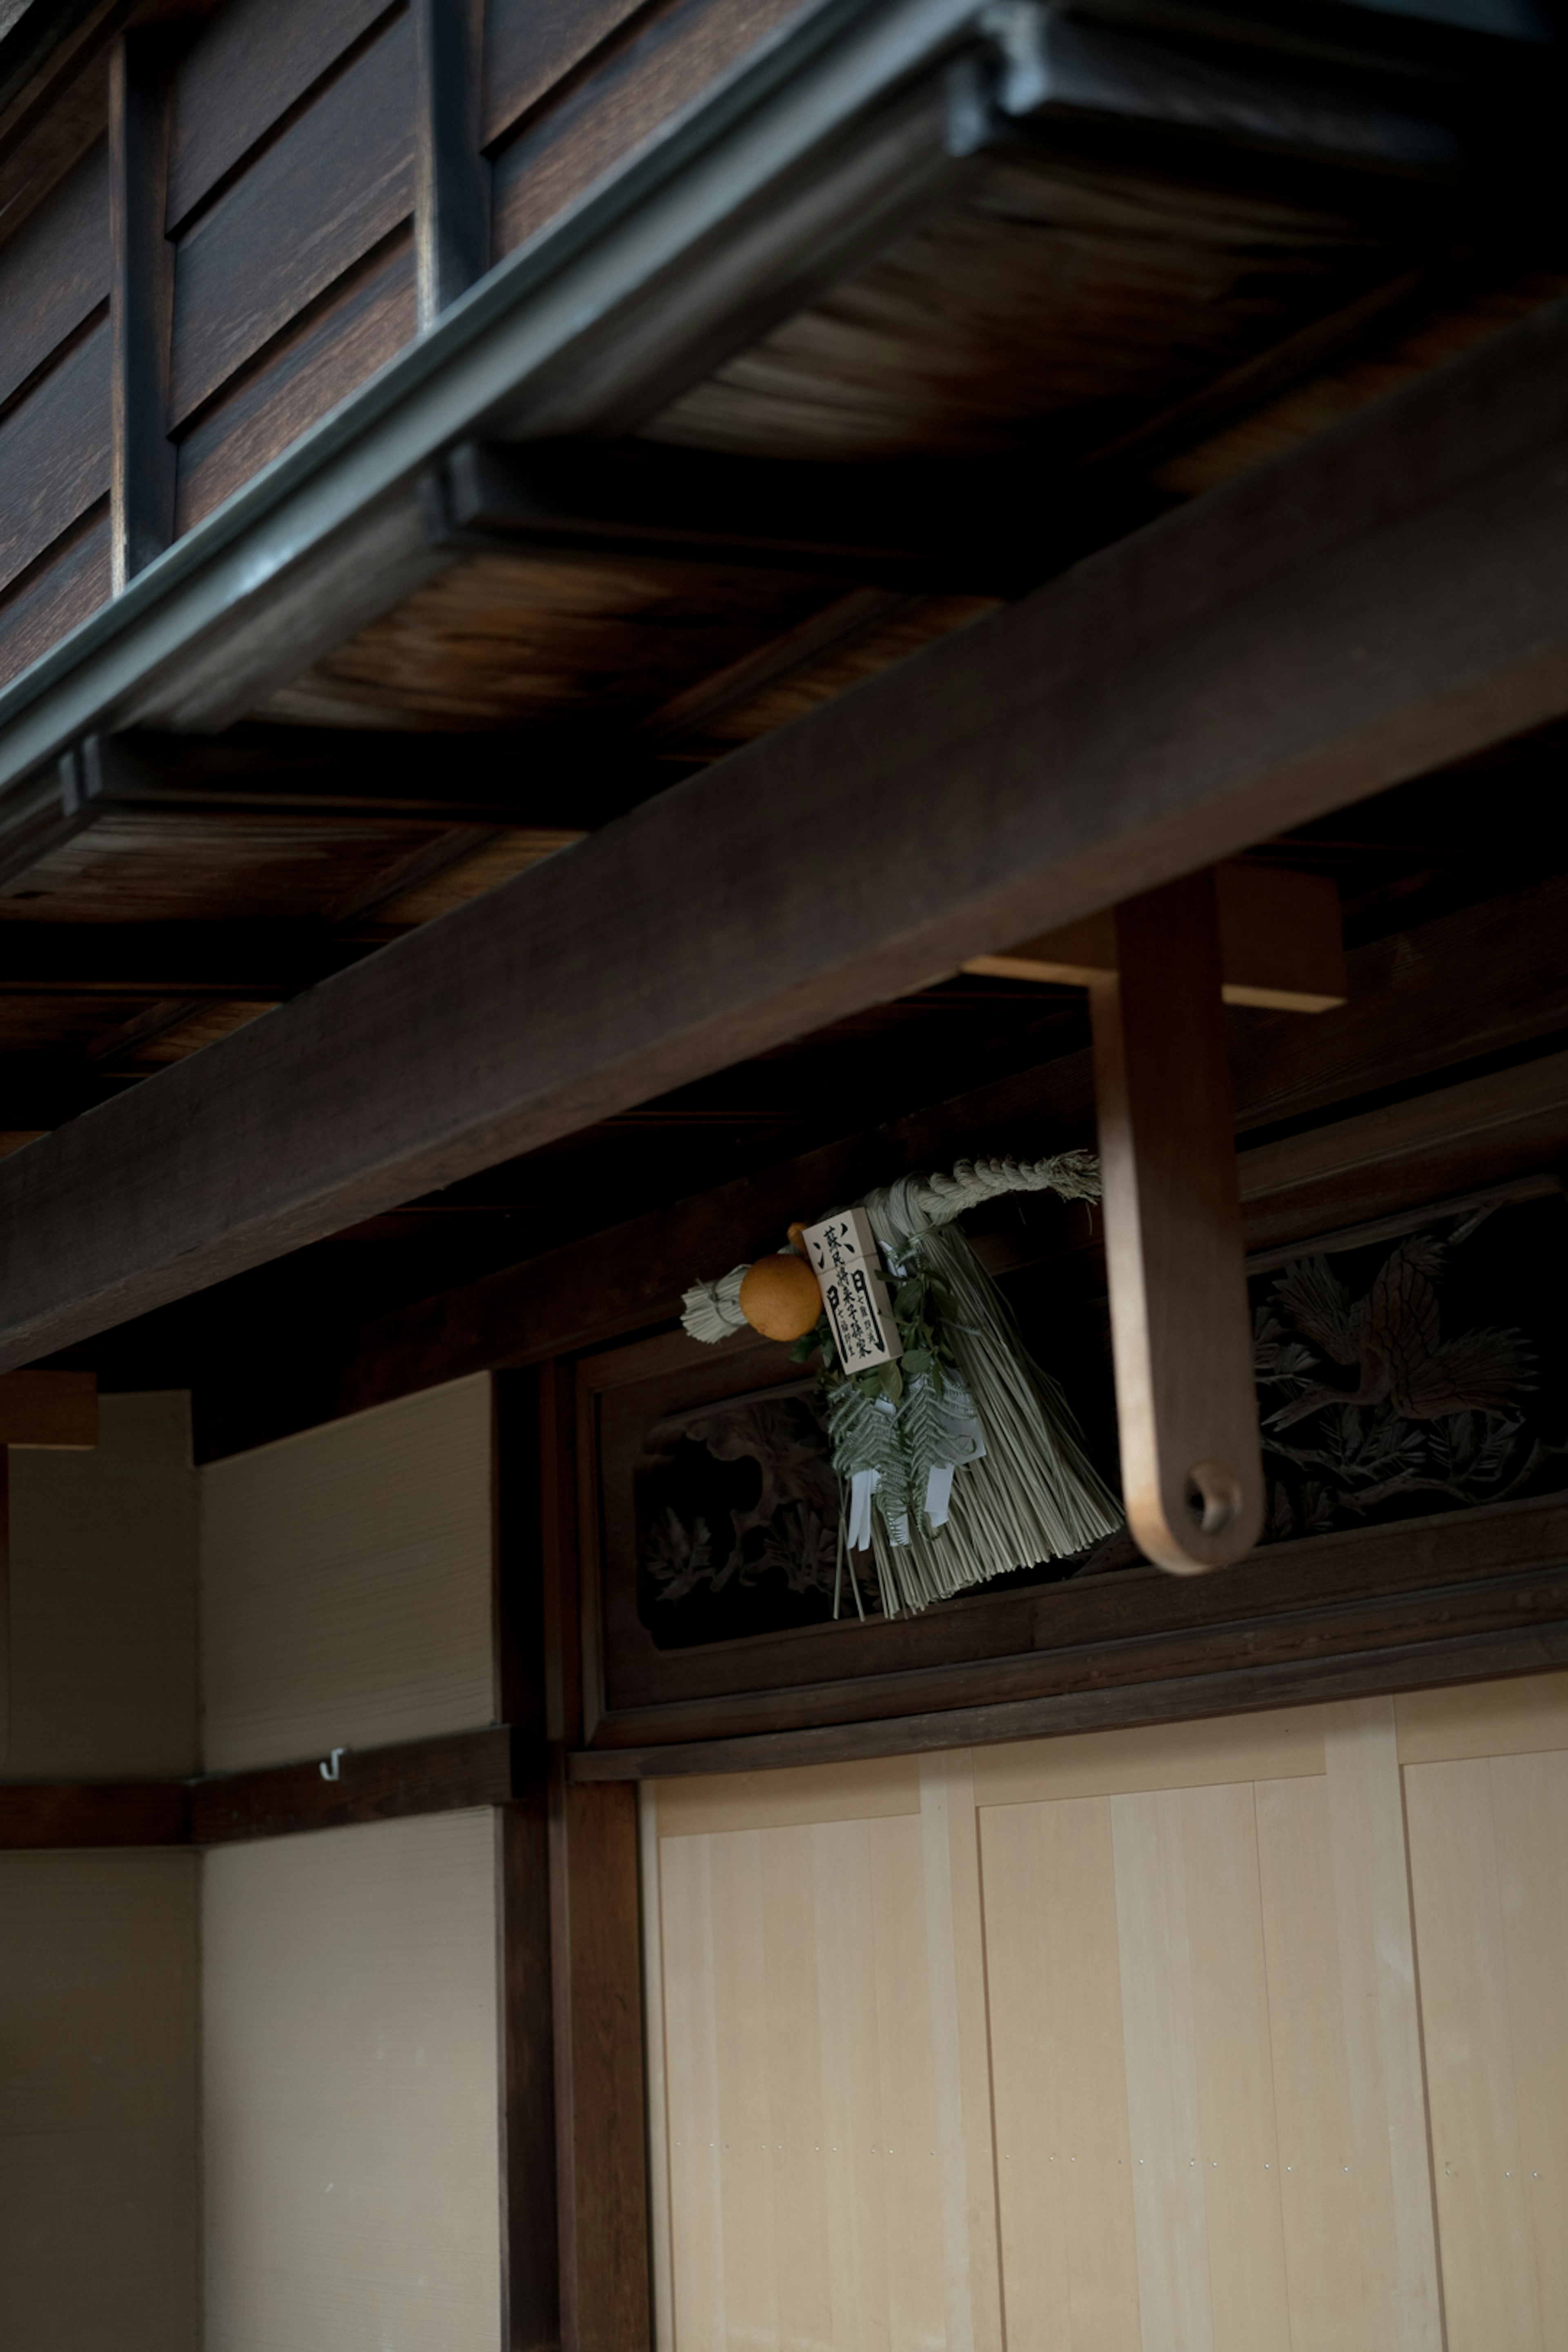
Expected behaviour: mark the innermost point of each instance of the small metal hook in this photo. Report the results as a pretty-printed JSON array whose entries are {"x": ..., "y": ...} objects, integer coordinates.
[{"x": 332, "y": 1771}]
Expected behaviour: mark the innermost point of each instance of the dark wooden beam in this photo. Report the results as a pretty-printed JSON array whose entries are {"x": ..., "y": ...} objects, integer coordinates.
[
  {"x": 934, "y": 525},
  {"x": 1392, "y": 597},
  {"x": 451, "y": 177},
  {"x": 90, "y": 1812},
  {"x": 1421, "y": 1664},
  {"x": 374, "y": 1784},
  {"x": 141, "y": 495}
]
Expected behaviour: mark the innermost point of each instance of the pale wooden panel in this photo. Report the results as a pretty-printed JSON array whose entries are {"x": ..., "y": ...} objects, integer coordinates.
[
  {"x": 1489, "y": 1844},
  {"x": 1195, "y": 2002},
  {"x": 351, "y": 2146},
  {"x": 873, "y": 1791},
  {"x": 829, "y": 2134},
  {"x": 955, "y": 1957},
  {"x": 1377, "y": 1963},
  {"x": 1355, "y": 2175},
  {"x": 1212, "y": 1753},
  {"x": 1512, "y": 1718},
  {"x": 1070, "y": 2255},
  {"x": 98, "y": 2101},
  {"x": 346, "y": 1582},
  {"x": 103, "y": 1601}
]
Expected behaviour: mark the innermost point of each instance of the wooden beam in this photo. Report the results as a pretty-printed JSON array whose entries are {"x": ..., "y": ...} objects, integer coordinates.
[
  {"x": 141, "y": 492},
  {"x": 451, "y": 177},
  {"x": 89, "y": 1813},
  {"x": 374, "y": 1784},
  {"x": 1282, "y": 947},
  {"x": 1390, "y": 597},
  {"x": 1186, "y": 1405},
  {"x": 939, "y": 525},
  {"x": 49, "y": 1412}
]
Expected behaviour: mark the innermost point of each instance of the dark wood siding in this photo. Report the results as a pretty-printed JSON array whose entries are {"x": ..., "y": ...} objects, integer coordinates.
[
  {"x": 62, "y": 588},
  {"x": 314, "y": 201},
  {"x": 351, "y": 331},
  {"x": 253, "y": 61},
  {"x": 530, "y": 46},
  {"x": 54, "y": 453},
  {"x": 53, "y": 271},
  {"x": 663, "y": 63}
]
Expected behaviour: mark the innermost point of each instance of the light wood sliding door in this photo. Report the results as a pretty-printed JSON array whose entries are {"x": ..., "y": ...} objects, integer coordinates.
[
  {"x": 1485, "y": 1778},
  {"x": 1114, "y": 2043}
]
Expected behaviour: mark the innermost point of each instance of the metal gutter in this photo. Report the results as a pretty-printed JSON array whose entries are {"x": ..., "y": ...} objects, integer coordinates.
[{"x": 798, "y": 166}]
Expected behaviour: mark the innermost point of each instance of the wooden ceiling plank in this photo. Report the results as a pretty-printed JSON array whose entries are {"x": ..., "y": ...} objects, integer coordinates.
[{"x": 1385, "y": 600}]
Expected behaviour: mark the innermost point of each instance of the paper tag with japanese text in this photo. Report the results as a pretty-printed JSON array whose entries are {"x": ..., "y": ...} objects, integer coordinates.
[{"x": 842, "y": 1252}]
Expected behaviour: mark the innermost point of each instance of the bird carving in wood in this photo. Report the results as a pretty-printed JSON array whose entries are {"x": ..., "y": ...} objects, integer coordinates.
[{"x": 1393, "y": 1335}]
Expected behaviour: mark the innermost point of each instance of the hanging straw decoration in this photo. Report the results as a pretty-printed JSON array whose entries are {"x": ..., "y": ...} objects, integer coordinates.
[{"x": 963, "y": 1461}]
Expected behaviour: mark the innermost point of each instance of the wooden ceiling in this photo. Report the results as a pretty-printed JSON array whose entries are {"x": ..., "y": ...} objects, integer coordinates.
[{"x": 1096, "y": 333}]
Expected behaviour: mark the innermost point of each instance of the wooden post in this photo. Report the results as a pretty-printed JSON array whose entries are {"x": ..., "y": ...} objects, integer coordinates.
[
  {"x": 1192, "y": 1467},
  {"x": 451, "y": 177},
  {"x": 142, "y": 480}
]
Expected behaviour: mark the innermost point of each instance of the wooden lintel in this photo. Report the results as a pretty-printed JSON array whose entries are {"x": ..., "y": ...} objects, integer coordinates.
[
  {"x": 51, "y": 1411},
  {"x": 1281, "y": 945}
]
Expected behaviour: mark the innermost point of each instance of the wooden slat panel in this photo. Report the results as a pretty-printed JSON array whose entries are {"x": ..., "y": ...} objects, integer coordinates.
[
  {"x": 1512, "y": 1718},
  {"x": 653, "y": 76},
  {"x": 103, "y": 1599},
  {"x": 1488, "y": 1845},
  {"x": 814, "y": 2196},
  {"x": 347, "y": 1583},
  {"x": 54, "y": 269},
  {"x": 367, "y": 317},
  {"x": 1211, "y": 2262},
  {"x": 54, "y": 448},
  {"x": 251, "y": 61},
  {"x": 327, "y": 190},
  {"x": 98, "y": 2101},
  {"x": 532, "y": 43},
  {"x": 351, "y": 2184},
  {"x": 1346, "y": 2051},
  {"x": 72, "y": 582},
  {"x": 1069, "y": 2254},
  {"x": 1278, "y": 1746},
  {"x": 878, "y": 1790}
]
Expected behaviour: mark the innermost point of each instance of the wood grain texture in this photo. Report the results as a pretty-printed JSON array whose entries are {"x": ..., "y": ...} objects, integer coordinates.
[
  {"x": 55, "y": 270},
  {"x": 600, "y": 2166},
  {"x": 814, "y": 2194},
  {"x": 640, "y": 84},
  {"x": 1186, "y": 1402},
  {"x": 1488, "y": 1845},
  {"x": 98, "y": 2105},
  {"x": 347, "y": 1583},
  {"x": 1526, "y": 1718},
  {"x": 62, "y": 588},
  {"x": 528, "y": 48},
  {"x": 54, "y": 444},
  {"x": 53, "y": 1412},
  {"x": 351, "y": 2087},
  {"x": 366, "y": 316},
  {"x": 103, "y": 1601},
  {"x": 251, "y": 62},
  {"x": 93, "y": 1813},
  {"x": 1131, "y": 661},
  {"x": 322, "y": 195},
  {"x": 1163, "y": 2036},
  {"x": 418, "y": 1776}
]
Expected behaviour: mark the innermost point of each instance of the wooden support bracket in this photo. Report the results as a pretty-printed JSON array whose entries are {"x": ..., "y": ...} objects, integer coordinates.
[
  {"x": 1280, "y": 943},
  {"x": 1192, "y": 1469}
]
